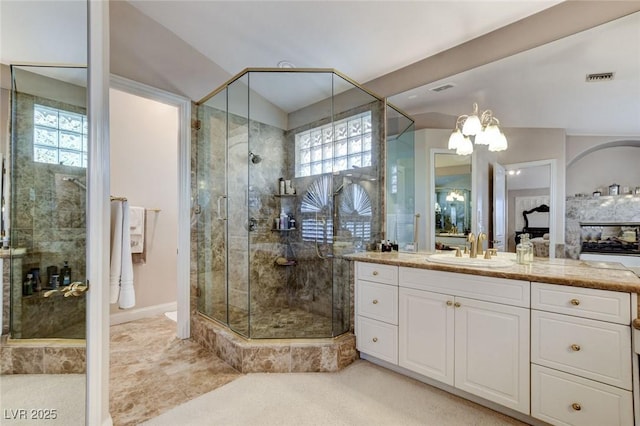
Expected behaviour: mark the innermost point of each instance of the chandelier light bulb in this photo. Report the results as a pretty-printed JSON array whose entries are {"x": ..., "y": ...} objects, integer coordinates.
[
  {"x": 483, "y": 137},
  {"x": 455, "y": 139},
  {"x": 465, "y": 147},
  {"x": 471, "y": 126},
  {"x": 499, "y": 143}
]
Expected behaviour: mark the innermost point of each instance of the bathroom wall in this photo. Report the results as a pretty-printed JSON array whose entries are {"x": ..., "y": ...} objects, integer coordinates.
[
  {"x": 599, "y": 169},
  {"x": 144, "y": 169}
]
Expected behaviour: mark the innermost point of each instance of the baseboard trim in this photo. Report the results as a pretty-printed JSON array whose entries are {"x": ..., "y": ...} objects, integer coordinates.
[{"x": 136, "y": 314}]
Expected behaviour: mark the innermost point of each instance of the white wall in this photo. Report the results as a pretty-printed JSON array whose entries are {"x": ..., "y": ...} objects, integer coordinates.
[
  {"x": 595, "y": 162},
  {"x": 144, "y": 161}
]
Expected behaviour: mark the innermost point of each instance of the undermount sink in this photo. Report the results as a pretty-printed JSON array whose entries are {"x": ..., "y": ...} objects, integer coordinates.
[{"x": 502, "y": 260}]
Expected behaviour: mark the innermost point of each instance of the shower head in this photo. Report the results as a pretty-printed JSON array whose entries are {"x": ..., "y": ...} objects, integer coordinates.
[
  {"x": 255, "y": 159},
  {"x": 75, "y": 181}
]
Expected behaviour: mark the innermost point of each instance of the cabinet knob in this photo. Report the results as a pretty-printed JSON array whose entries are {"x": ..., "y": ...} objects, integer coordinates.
[
  {"x": 375, "y": 272},
  {"x": 375, "y": 339},
  {"x": 375, "y": 301},
  {"x": 449, "y": 303},
  {"x": 456, "y": 305},
  {"x": 576, "y": 406},
  {"x": 575, "y": 347},
  {"x": 575, "y": 302}
]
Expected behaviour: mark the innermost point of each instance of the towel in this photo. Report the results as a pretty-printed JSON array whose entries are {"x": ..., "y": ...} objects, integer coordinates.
[
  {"x": 136, "y": 226},
  {"x": 121, "y": 270}
]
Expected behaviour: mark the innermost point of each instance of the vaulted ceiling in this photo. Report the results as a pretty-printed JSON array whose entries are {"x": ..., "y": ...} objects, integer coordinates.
[{"x": 497, "y": 53}]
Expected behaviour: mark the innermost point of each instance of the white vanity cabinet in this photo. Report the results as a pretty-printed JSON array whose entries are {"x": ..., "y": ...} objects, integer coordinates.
[
  {"x": 376, "y": 310},
  {"x": 581, "y": 356},
  {"x": 467, "y": 331}
]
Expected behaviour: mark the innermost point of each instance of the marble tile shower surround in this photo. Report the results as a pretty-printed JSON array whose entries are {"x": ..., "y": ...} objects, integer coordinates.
[
  {"x": 48, "y": 219},
  {"x": 620, "y": 208}
]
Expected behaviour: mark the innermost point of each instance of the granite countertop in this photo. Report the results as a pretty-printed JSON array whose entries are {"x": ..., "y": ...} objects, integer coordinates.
[{"x": 577, "y": 273}]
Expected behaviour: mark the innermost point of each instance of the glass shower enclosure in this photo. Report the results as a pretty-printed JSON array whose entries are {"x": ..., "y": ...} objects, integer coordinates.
[
  {"x": 289, "y": 168},
  {"x": 44, "y": 202}
]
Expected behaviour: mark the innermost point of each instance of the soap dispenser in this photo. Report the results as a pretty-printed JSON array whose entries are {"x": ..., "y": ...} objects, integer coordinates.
[
  {"x": 65, "y": 273},
  {"x": 524, "y": 250}
]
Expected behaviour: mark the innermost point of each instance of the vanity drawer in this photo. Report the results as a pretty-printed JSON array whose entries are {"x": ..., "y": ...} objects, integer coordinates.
[
  {"x": 385, "y": 274},
  {"x": 377, "y": 339},
  {"x": 593, "y": 349},
  {"x": 562, "y": 399},
  {"x": 489, "y": 289},
  {"x": 605, "y": 305},
  {"x": 377, "y": 301}
]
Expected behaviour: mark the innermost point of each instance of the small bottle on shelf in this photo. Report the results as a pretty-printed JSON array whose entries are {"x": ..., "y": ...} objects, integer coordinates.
[{"x": 27, "y": 286}]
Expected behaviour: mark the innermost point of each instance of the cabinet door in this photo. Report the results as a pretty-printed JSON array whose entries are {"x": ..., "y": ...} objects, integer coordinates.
[
  {"x": 426, "y": 325},
  {"x": 492, "y": 352}
]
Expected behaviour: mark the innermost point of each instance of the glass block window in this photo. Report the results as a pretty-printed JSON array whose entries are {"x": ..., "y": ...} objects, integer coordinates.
[
  {"x": 59, "y": 136},
  {"x": 341, "y": 145}
]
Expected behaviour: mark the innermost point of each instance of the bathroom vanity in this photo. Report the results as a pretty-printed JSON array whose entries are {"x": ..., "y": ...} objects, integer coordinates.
[{"x": 549, "y": 342}]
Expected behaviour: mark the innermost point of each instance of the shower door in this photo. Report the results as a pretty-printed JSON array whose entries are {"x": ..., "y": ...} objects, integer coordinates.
[{"x": 221, "y": 156}]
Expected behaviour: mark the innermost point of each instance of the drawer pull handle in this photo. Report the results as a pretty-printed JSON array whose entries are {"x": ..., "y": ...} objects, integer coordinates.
[
  {"x": 576, "y": 406},
  {"x": 375, "y": 272},
  {"x": 456, "y": 305},
  {"x": 575, "y": 302},
  {"x": 449, "y": 303},
  {"x": 575, "y": 347},
  {"x": 375, "y": 301},
  {"x": 375, "y": 339}
]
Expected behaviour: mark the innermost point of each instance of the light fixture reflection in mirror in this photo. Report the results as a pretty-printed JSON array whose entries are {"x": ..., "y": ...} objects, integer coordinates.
[{"x": 478, "y": 129}]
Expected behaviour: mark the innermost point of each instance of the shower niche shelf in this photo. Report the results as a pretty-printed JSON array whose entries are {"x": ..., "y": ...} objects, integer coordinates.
[
  {"x": 284, "y": 230},
  {"x": 285, "y": 195}
]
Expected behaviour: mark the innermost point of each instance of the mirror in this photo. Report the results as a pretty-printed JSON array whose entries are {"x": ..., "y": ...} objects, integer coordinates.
[
  {"x": 527, "y": 206},
  {"x": 548, "y": 117},
  {"x": 451, "y": 190}
]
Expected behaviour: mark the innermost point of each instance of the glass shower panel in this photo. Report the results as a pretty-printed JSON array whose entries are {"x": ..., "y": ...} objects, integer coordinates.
[
  {"x": 236, "y": 212},
  {"x": 359, "y": 132},
  {"x": 401, "y": 220},
  {"x": 210, "y": 190},
  {"x": 46, "y": 225}
]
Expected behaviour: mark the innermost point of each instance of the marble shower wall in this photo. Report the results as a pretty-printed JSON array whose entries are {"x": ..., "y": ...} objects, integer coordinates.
[
  {"x": 620, "y": 208},
  {"x": 48, "y": 219}
]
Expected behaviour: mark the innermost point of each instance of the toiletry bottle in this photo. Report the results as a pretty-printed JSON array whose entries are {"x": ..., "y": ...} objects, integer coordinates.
[
  {"x": 37, "y": 282},
  {"x": 27, "y": 286},
  {"x": 65, "y": 273},
  {"x": 524, "y": 250},
  {"x": 281, "y": 186}
]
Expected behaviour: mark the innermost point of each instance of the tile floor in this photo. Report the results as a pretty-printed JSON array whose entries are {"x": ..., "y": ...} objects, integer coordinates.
[{"x": 153, "y": 371}]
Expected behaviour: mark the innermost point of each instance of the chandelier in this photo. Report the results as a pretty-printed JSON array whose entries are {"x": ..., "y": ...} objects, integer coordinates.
[
  {"x": 484, "y": 130},
  {"x": 455, "y": 196}
]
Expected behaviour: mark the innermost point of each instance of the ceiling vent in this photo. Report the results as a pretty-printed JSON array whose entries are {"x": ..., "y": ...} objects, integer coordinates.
[
  {"x": 603, "y": 76},
  {"x": 443, "y": 87}
]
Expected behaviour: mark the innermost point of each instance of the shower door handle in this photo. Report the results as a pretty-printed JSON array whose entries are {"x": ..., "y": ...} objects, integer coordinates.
[{"x": 220, "y": 198}]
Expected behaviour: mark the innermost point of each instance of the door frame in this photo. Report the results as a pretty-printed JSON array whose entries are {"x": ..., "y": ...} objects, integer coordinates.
[
  {"x": 98, "y": 215},
  {"x": 184, "y": 188}
]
